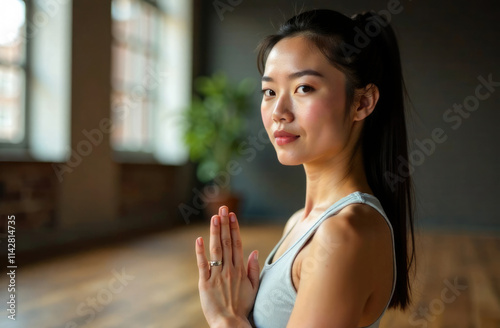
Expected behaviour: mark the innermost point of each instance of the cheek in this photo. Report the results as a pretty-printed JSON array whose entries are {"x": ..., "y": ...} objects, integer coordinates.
[
  {"x": 266, "y": 116},
  {"x": 318, "y": 113},
  {"x": 325, "y": 119},
  {"x": 315, "y": 116}
]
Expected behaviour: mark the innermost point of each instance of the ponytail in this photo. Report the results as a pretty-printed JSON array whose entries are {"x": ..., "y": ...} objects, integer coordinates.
[
  {"x": 385, "y": 147},
  {"x": 365, "y": 49}
]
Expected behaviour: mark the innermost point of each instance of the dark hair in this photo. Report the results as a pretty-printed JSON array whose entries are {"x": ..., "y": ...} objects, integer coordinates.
[{"x": 365, "y": 49}]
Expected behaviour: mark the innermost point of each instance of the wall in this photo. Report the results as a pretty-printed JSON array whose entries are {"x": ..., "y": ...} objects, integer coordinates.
[
  {"x": 147, "y": 198},
  {"x": 445, "y": 48},
  {"x": 91, "y": 182},
  {"x": 28, "y": 191},
  {"x": 151, "y": 193},
  {"x": 92, "y": 197}
]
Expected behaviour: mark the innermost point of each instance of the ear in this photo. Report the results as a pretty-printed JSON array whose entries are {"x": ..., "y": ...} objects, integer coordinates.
[{"x": 367, "y": 99}]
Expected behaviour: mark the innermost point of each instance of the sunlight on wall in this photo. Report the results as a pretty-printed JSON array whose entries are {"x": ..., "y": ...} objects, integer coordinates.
[
  {"x": 175, "y": 90},
  {"x": 50, "y": 81}
]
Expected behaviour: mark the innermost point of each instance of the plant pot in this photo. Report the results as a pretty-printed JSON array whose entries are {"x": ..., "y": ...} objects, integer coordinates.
[{"x": 231, "y": 200}]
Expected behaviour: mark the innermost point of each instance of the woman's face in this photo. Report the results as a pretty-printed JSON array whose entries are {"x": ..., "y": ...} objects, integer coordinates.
[{"x": 303, "y": 104}]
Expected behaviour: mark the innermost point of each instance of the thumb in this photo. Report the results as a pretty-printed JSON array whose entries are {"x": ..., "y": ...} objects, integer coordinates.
[{"x": 254, "y": 269}]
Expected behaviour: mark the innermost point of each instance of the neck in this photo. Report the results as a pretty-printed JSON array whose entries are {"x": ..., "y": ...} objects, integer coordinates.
[{"x": 330, "y": 180}]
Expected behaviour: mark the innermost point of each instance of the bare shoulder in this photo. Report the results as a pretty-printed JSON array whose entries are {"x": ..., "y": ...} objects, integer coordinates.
[
  {"x": 292, "y": 220},
  {"x": 357, "y": 225},
  {"x": 346, "y": 266}
]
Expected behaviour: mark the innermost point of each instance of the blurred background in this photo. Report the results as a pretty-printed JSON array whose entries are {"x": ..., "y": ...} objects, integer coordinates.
[{"x": 105, "y": 156}]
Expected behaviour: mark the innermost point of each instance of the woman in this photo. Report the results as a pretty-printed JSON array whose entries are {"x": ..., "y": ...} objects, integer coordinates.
[{"x": 333, "y": 101}]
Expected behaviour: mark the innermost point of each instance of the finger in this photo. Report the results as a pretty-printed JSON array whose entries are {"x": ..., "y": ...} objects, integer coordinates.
[
  {"x": 215, "y": 245},
  {"x": 254, "y": 269},
  {"x": 227, "y": 252},
  {"x": 236, "y": 240},
  {"x": 201, "y": 259}
]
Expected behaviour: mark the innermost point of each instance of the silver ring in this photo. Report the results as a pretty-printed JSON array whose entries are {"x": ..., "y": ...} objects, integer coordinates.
[{"x": 215, "y": 263}]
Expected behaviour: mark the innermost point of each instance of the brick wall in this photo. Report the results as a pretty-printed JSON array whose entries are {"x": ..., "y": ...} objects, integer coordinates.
[
  {"x": 152, "y": 192},
  {"x": 28, "y": 191},
  {"x": 148, "y": 198}
]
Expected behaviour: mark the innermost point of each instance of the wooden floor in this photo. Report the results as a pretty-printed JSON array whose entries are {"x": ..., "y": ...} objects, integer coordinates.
[{"x": 458, "y": 283}]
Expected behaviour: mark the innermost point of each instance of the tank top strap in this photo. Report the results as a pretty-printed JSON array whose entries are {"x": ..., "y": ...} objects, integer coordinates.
[
  {"x": 352, "y": 198},
  {"x": 336, "y": 207},
  {"x": 276, "y": 297}
]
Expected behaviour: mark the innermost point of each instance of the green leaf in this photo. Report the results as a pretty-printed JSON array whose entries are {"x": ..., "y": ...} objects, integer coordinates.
[{"x": 215, "y": 122}]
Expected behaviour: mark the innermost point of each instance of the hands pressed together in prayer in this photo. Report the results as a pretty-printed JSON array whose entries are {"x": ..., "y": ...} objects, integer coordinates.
[{"x": 227, "y": 285}]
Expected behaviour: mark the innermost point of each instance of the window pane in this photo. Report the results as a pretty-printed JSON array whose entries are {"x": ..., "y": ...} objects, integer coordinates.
[
  {"x": 12, "y": 19},
  {"x": 131, "y": 123},
  {"x": 135, "y": 66},
  {"x": 121, "y": 13},
  {"x": 12, "y": 53},
  {"x": 145, "y": 16},
  {"x": 135, "y": 22},
  {"x": 119, "y": 112},
  {"x": 134, "y": 32},
  {"x": 11, "y": 105},
  {"x": 133, "y": 127},
  {"x": 119, "y": 52}
]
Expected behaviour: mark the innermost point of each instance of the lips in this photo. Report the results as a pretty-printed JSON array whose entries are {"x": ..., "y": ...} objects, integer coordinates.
[{"x": 282, "y": 137}]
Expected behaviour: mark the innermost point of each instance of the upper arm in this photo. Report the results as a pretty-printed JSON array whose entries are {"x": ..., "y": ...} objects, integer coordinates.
[{"x": 334, "y": 280}]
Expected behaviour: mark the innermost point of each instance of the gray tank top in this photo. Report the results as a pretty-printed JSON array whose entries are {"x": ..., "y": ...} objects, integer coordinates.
[{"x": 276, "y": 296}]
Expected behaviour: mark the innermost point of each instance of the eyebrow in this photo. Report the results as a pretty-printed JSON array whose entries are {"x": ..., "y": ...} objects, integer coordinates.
[{"x": 296, "y": 75}]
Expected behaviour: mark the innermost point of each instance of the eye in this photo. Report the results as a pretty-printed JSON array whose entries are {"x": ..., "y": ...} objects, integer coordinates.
[
  {"x": 304, "y": 89},
  {"x": 268, "y": 93}
]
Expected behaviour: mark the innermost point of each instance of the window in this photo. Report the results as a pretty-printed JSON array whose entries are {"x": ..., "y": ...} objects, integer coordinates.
[
  {"x": 12, "y": 72},
  {"x": 35, "y": 79},
  {"x": 151, "y": 76},
  {"x": 136, "y": 51}
]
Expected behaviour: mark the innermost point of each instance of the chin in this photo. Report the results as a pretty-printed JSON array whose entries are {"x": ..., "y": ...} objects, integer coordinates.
[{"x": 288, "y": 161}]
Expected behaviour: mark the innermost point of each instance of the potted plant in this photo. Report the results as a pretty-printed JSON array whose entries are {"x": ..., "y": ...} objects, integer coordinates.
[{"x": 215, "y": 128}]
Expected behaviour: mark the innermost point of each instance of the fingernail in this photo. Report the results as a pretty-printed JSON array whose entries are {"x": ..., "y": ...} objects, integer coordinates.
[
  {"x": 216, "y": 221},
  {"x": 232, "y": 217},
  {"x": 224, "y": 211},
  {"x": 198, "y": 240},
  {"x": 256, "y": 255}
]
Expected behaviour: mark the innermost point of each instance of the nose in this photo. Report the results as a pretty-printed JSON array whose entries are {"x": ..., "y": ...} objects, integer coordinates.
[{"x": 281, "y": 111}]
